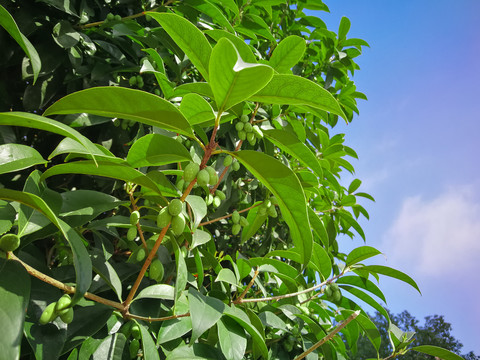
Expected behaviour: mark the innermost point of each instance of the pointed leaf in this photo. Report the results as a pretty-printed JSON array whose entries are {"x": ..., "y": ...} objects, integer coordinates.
[
  {"x": 199, "y": 209},
  {"x": 232, "y": 339},
  {"x": 361, "y": 253},
  {"x": 283, "y": 183},
  {"x": 124, "y": 103},
  {"x": 343, "y": 28},
  {"x": 295, "y": 90},
  {"x": 212, "y": 11},
  {"x": 14, "y": 157},
  {"x": 200, "y": 237},
  {"x": 111, "y": 348},
  {"x": 156, "y": 150},
  {"x": 174, "y": 329},
  {"x": 387, "y": 271},
  {"x": 196, "y": 109},
  {"x": 188, "y": 37},
  {"x": 322, "y": 261},
  {"x": 233, "y": 80},
  {"x": 7, "y": 216},
  {"x": 150, "y": 351},
  {"x": 287, "y": 54},
  {"x": 242, "y": 47},
  {"x": 227, "y": 275},
  {"x": 157, "y": 291},
  {"x": 204, "y": 311},
  {"x": 362, "y": 283},
  {"x": 70, "y": 146},
  {"x": 437, "y": 351},
  {"x": 318, "y": 227}
]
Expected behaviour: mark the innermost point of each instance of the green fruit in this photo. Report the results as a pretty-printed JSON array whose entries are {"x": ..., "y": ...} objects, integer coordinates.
[
  {"x": 48, "y": 314},
  {"x": 248, "y": 128},
  {"x": 132, "y": 81},
  {"x": 272, "y": 212},
  {"x": 116, "y": 122},
  {"x": 213, "y": 176},
  {"x": 163, "y": 218},
  {"x": 273, "y": 200},
  {"x": 328, "y": 291},
  {"x": 148, "y": 18},
  {"x": 250, "y": 137},
  {"x": 243, "y": 222},
  {"x": 136, "y": 333},
  {"x": 156, "y": 270},
  {"x": 132, "y": 233},
  {"x": 236, "y": 229},
  {"x": 267, "y": 203},
  {"x": 216, "y": 201},
  {"x": 228, "y": 160},
  {"x": 242, "y": 135},
  {"x": 157, "y": 92},
  {"x": 140, "y": 82},
  {"x": 209, "y": 199},
  {"x": 110, "y": 17},
  {"x": 203, "y": 177},
  {"x": 236, "y": 217},
  {"x": 191, "y": 171},
  {"x": 134, "y": 217},
  {"x": 63, "y": 303},
  {"x": 262, "y": 211},
  {"x": 188, "y": 143},
  {"x": 133, "y": 348},
  {"x": 9, "y": 242},
  {"x": 239, "y": 126},
  {"x": 221, "y": 194},
  {"x": 180, "y": 184},
  {"x": 140, "y": 255},
  {"x": 258, "y": 133},
  {"x": 118, "y": 18},
  {"x": 236, "y": 166},
  {"x": 175, "y": 207},
  {"x": 67, "y": 317},
  {"x": 178, "y": 224},
  {"x": 337, "y": 296},
  {"x": 244, "y": 118}
]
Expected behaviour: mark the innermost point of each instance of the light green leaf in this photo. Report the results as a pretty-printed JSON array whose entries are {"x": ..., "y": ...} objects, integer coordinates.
[
  {"x": 14, "y": 298},
  {"x": 295, "y": 90},
  {"x": 233, "y": 80},
  {"x": 157, "y": 291},
  {"x": 322, "y": 261},
  {"x": 343, "y": 28},
  {"x": 283, "y": 183},
  {"x": 199, "y": 209},
  {"x": 387, "y": 271},
  {"x": 354, "y": 185},
  {"x": 73, "y": 147},
  {"x": 255, "y": 221},
  {"x": 156, "y": 150},
  {"x": 287, "y": 54},
  {"x": 124, "y": 103},
  {"x": 362, "y": 283},
  {"x": 367, "y": 299},
  {"x": 232, "y": 338},
  {"x": 437, "y": 351},
  {"x": 200, "y": 88},
  {"x": 174, "y": 329},
  {"x": 14, "y": 157},
  {"x": 289, "y": 143},
  {"x": 196, "y": 109},
  {"x": 241, "y": 46},
  {"x": 318, "y": 227},
  {"x": 9, "y": 24},
  {"x": 345, "y": 215},
  {"x": 200, "y": 237},
  {"x": 227, "y": 275},
  {"x": 188, "y": 37},
  {"x": 361, "y": 253},
  {"x": 212, "y": 11},
  {"x": 205, "y": 311},
  {"x": 150, "y": 351}
]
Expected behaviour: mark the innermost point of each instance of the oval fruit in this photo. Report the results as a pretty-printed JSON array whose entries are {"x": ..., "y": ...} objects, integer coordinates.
[
  {"x": 163, "y": 218},
  {"x": 220, "y": 194},
  {"x": 239, "y": 126},
  {"x": 132, "y": 233},
  {"x": 133, "y": 348},
  {"x": 175, "y": 207},
  {"x": 244, "y": 118},
  {"x": 272, "y": 212},
  {"x": 156, "y": 270},
  {"x": 236, "y": 229},
  {"x": 63, "y": 303},
  {"x": 228, "y": 160},
  {"x": 140, "y": 255},
  {"x": 191, "y": 171},
  {"x": 9, "y": 242},
  {"x": 236, "y": 166},
  {"x": 178, "y": 224},
  {"x": 213, "y": 176},
  {"x": 203, "y": 177},
  {"x": 216, "y": 201},
  {"x": 136, "y": 331},
  {"x": 236, "y": 217},
  {"x": 243, "y": 221},
  {"x": 48, "y": 314},
  {"x": 242, "y": 135},
  {"x": 67, "y": 317},
  {"x": 134, "y": 217},
  {"x": 248, "y": 127}
]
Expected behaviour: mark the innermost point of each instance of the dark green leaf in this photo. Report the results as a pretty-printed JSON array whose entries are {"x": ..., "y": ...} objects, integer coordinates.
[
  {"x": 387, "y": 271},
  {"x": 149, "y": 348},
  {"x": 205, "y": 312},
  {"x": 111, "y": 348},
  {"x": 232, "y": 338},
  {"x": 174, "y": 329},
  {"x": 362, "y": 283},
  {"x": 7, "y": 216},
  {"x": 157, "y": 291}
]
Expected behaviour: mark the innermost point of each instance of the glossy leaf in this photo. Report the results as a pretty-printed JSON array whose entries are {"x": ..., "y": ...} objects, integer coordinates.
[
  {"x": 73, "y": 147},
  {"x": 149, "y": 348},
  {"x": 295, "y": 90},
  {"x": 362, "y": 283},
  {"x": 156, "y": 150},
  {"x": 287, "y": 54},
  {"x": 361, "y": 253},
  {"x": 200, "y": 237},
  {"x": 174, "y": 329},
  {"x": 233, "y": 80},
  {"x": 387, "y": 271},
  {"x": 318, "y": 227},
  {"x": 111, "y": 348},
  {"x": 196, "y": 109},
  {"x": 241, "y": 46},
  {"x": 188, "y": 37},
  {"x": 199, "y": 209},
  {"x": 227, "y": 275},
  {"x": 158, "y": 291},
  {"x": 367, "y": 299},
  {"x": 205, "y": 311},
  {"x": 283, "y": 183},
  {"x": 232, "y": 338},
  {"x": 123, "y": 103},
  {"x": 437, "y": 351},
  {"x": 212, "y": 11},
  {"x": 14, "y": 157},
  {"x": 7, "y": 216}
]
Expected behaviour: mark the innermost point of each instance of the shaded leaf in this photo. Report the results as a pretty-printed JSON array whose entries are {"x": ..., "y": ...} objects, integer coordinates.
[
  {"x": 232, "y": 338},
  {"x": 205, "y": 312}
]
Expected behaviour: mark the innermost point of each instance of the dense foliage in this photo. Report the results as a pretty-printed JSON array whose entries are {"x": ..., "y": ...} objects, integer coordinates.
[{"x": 171, "y": 186}]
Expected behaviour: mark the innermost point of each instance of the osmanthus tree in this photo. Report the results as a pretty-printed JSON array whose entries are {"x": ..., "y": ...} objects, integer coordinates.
[{"x": 170, "y": 186}]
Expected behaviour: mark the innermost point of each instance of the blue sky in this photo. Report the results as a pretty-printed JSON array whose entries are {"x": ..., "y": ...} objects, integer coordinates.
[{"x": 418, "y": 141}]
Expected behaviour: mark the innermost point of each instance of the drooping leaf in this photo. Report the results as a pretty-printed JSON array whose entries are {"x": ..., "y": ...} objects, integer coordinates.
[
  {"x": 205, "y": 311},
  {"x": 287, "y": 54},
  {"x": 14, "y": 157},
  {"x": 362, "y": 283},
  {"x": 283, "y": 183},
  {"x": 388, "y": 271},
  {"x": 188, "y": 37},
  {"x": 232, "y": 338},
  {"x": 200, "y": 237},
  {"x": 437, "y": 351},
  {"x": 212, "y": 11},
  {"x": 123, "y": 103},
  {"x": 295, "y": 90},
  {"x": 150, "y": 351},
  {"x": 227, "y": 275},
  {"x": 233, "y": 80}
]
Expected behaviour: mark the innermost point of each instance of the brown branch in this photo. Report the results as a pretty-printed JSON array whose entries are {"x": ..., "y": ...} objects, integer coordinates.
[
  {"x": 250, "y": 284},
  {"x": 227, "y": 216},
  {"x": 329, "y": 335},
  {"x": 149, "y": 319}
]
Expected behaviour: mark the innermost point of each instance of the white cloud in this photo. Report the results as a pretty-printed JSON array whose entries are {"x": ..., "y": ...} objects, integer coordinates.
[{"x": 438, "y": 236}]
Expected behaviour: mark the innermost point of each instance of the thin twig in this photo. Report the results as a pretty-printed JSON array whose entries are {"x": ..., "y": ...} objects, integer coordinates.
[
  {"x": 250, "y": 284},
  {"x": 149, "y": 319},
  {"x": 227, "y": 216}
]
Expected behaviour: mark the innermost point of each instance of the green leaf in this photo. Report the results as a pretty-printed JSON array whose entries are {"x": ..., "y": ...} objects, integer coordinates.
[
  {"x": 287, "y": 54},
  {"x": 199, "y": 209},
  {"x": 42, "y": 123},
  {"x": 343, "y": 28},
  {"x": 70, "y": 146},
  {"x": 241, "y": 46},
  {"x": 188, "y": 37},
  {"x": 437, "y": 351},
  {"x": 361, "y": 253},
  {"x": 227, "y": 275},
  {"x": 81, "y": 259},
  {"x": 157, "y": 291},
  {"x": 295, "y": 90},
  {"x": 283, "y": 183},
  {"x": 321, "y": 260},
  {"x": 345, "y": 215},
  {"x": 123, "y": 103},
  {"x": 182, "y": 272},
  {"x": 110, "y": 170},
  {"x": 362, "y": 283},
  {"x": 232, "y": 338},
  {"x": 318, "y": 227},
  {"x": 387, "y": 271},
  {"x": 14, "y": 157},
  {"x": 106, "y": 271},
  {"x": 289, "y": 143},
  {"x": 354, "y": 185},
  {"x": 150, "y": 351},
  {"x": 196, "y": 109},
  {"x": 156, "y": 150},
  {"x": 174, "y": 329},
  {"x": 367, "y": 299},
  {"x": 111, "y": 348},
  {"x": 368, "y": 327},
  {"x": 205, "y": 311},
  {"x": 200, "y": 237},
  {"x": 14, "y": 297},
  {"x": 255, "y": 221},
  {"x": 233, "y": 80},
  {"x": 212, "y": 11},
  {"x": 9, "y": 24},
  {"x": 201, "y": 88},
  {"x": 7, "y": 216}
]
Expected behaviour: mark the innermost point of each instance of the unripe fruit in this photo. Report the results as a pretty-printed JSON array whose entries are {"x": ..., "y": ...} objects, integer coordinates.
[
  {"x": 163, "y": 218},
  {"x": 242, "y": 135},
  {"x": 239, "y": 126},
  {"x": 203, "y": 177},
  {"x": 139, "y": 81},
  {"x": 118, "y": 18},
  {"x": 134, "y": 217},
  {"x": 132, "y": 81},
  {"x": 180, "y": 184},
  {"x": 236, "y": 229},
  {"x": 262, "y": 211},
  {"x": 258, "y": 133},
  {"x": 191, "y": 171},
  {"x": 244, "y": 118},
  {"x": 228, "y": 160},
  {"x": 236, "y": 166},
  {"x": 178, "y": 224},
  {"x": 273, "y": 200},
  {"x": 209, "y": 199},
  {"x": 110, "y": 17},
  {"x": 63, "y": 303},
  {"x": 250, "y": 137},
  {"x": 175, "y": 207},
  {"x": 133, "y": 348},
  {"x": 216, "y": 201},
  {"x": 328, "y": 291},
  {"x": 272, "y": 212},
  {"x": 236, "y": 217},
  {"x": 48, "y": 314},
  {"x": 337, "y": 296},
  {"x": 67, "y": 317},
  {"x": 156, "y": 270},
  {"x": 132, "y": 233},
  {"x": 221, "y": 194},
  {"x": 116, "y": 122},
  {"x": 136, "y": 333},
  {"x": 267, "y": 203},
  {"x": 140, "y": 256},
  {"x": 9, "y": 242},
  {"x": 248, "y": 127},
  {"x": 157, "y": 92},
  {"x": 188, "y": 143},
  {"x": 213, "y": 176},
  {"x": 243, "y": 222}
]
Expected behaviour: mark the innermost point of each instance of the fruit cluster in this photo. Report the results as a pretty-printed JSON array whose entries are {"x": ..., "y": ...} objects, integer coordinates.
[
  {"x": 172, "y": 214},
  {"x": 110, "y": 18},
  {"x": 136, "y": 81},
  {"x": 238, "y": 222},
  {"x": 61, "y": 308},
  {"x": 247, "y": 131},
  {"x": 268, "y": 207},
  {"x": 333, "y": 293},
  {"x": 132, "y": 329}
]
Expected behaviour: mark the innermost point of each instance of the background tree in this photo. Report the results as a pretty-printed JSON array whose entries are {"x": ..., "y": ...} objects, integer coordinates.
[{"x": 180, "y": 195}]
